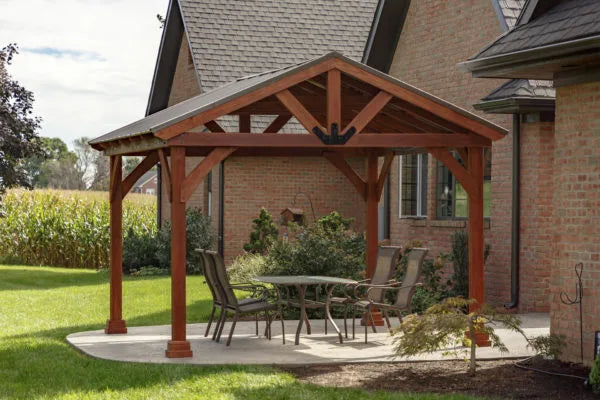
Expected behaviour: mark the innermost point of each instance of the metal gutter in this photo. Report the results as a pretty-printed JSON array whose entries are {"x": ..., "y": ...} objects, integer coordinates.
[
  {"x": 511, "y": 105},
  {"x": 516, "y": 215}
]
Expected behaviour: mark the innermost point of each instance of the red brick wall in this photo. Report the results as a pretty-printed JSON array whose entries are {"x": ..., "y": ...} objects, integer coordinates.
[
  {"x": 537, "y": 190},
  {"x": 575, "y": 216},
  {"x": 436, "y": 37}
]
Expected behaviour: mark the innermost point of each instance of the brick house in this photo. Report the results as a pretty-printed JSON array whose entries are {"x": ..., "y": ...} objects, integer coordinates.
[
  {"x": 147, "y": 184},
  {"x": 558, "y": 40},
  {"x": 208, "y": 43}
]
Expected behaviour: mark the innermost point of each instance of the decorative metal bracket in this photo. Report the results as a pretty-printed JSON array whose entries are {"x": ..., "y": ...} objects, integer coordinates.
[{"x": 334, "y": 137}]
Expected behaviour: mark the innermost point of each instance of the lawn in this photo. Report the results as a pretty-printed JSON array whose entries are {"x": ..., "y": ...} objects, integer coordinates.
[{"x": 41, "y": 306}]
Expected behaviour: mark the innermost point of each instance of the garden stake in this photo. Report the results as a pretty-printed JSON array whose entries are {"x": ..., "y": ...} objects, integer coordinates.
[{"x": 565, "y": 299}]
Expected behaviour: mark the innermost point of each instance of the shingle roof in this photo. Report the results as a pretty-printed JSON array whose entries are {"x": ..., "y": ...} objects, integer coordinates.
[
  {"x": 230, "y": 39},
  {"x": 523, "y": 88},
  {"x": 511, "y": 9},
  {"x": 569, "y": 20}
]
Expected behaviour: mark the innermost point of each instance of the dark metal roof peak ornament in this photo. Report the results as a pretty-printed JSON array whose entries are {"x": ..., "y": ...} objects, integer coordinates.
[{"x": 334, "y": 137}]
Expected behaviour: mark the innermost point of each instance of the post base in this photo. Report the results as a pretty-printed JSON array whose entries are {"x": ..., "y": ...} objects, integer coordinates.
[
  {"x": 377, "y": 318},
  {"x": 481, "y": 339},
  {"x": 114, "y": 326},
  {"x": 178, "y": 349}
]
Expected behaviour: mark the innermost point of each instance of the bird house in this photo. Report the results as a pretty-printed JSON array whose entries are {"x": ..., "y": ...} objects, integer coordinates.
[{"x": 295, "y": 215}]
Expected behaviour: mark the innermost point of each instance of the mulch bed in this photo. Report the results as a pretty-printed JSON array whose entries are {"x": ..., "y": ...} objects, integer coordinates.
[{"x": 494, "y": 379}]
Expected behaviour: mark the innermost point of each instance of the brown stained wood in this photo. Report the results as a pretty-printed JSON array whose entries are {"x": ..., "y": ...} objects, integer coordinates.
[
  {"x": 342, "y": 165},
  {"x": 334, "y": 99},
  {"x": 372, "y": 231},
  {"x": 381, "y": 140},
  {"x": 143, "y": 167},
  {"x": 298, "y": 110},
  {"x": 146, "y": 143},
  {"x": 198, "y": 174},
  {"x": 245, "y": 123},
  {"x": 244, "y": 100},
  {"x": 115, "y": 323},
  {"x": 459, "y": 172},
  {"x": 277, "y": 123},
  {"x": 165, "y": 173},
  {"x": 421, "y": 101},
  {"x": 369, "y": 112},
  {"x": 178, "y": 346},
  {"x": 213, "y": 126},
  {"x": 315, "y": 103},
  {"x": 385, "y": 170},
  {"x": 463, "y": 152},
  {"x": 475, "y": 165}
]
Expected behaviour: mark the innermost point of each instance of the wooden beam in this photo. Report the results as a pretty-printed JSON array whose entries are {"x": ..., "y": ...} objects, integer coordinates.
[
  {"x": 459, "y": 172},
  {"x": 116, "y": 172},
  {"x": 124, "y": 147},
  {"x": 277, "y": 123},
  {"x": 475, "y": 166},
  {"x": 213, "y": 126},
  {"x": 143, "y": 167},
  {"x": 364, "y": 140},
  {"x": 165, "y": 173},
  {"x": 369, "y": 112},
  {"x": 197, "y": 175},
  {"x": 244, "y": 100},
  {"x": 464, "y": 154},
  {"x": 298, "y": 110},
  {"x": 245, "y": 123},
  {"x": 385, "y": 169},
  {"x": 372, "y": 220},
  {"x": 334, "y": 100},
  {"x": 418, "y": 99},
  {"x": 342, "y": 165}
]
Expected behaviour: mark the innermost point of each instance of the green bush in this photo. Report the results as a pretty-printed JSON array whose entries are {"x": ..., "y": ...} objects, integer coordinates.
[
  {"x": 595, "y": 375},
  {"x": 66, "y": 228},
  {"x": 247, "y": 266},
  {"x": 140, "y": 249},
  {"x": 460, "y": 258},
  {"x": 264, "y": 233}
]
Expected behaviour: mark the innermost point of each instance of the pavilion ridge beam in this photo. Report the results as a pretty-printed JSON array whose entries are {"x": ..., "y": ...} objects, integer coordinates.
[
  {"x": 308, "y": 121},
  {"x": 144, "y": 166},
  {"x": 461, "y": 173},
  {"x": 191, "y": 182},
  {"x": 334, "y": 100},
  {"x": 419, "y": 100},
  {"x": 369, "y": 112},
  {"x": 115, "y": 323},
  {"x": 342, "y": 165},
  {"x": 385, "y": 170},
  {"x": 165, "y": 172},
  {"x": 213, "y": 126},
  {"x": 244, "y": 100},
  {"x": 278, "y": 123}
]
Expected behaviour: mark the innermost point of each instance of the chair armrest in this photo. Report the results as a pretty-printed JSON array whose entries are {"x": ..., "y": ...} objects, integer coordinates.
[
  {"x": 397, "y": 286},
  {"x": 391, "y": 282}
]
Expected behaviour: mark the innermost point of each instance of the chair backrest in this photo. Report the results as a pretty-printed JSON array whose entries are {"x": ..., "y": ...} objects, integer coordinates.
[
  {"x": 385, "y": 269},
  {"x": 210, "y": 275},
  {"x": 414, "y": 268},
  {"x": 221, "y": 274}
]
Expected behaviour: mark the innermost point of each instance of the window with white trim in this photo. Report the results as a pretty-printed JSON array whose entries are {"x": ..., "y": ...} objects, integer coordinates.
[{"x": 413, "y": 185}]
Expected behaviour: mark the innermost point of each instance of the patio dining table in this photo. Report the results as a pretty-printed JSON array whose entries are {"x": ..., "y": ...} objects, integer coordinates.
[{"x": 301, "y": 283}]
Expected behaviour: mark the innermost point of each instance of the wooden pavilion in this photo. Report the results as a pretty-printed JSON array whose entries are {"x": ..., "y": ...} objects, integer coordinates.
[{"x": 348, "y": 110}]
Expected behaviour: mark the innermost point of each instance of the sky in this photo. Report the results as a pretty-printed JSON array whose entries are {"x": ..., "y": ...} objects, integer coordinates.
[{"x": 89, "y": 63}]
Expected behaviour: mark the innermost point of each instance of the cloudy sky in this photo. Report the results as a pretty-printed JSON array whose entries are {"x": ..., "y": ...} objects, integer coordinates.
[{"x": 89, "y": 63}]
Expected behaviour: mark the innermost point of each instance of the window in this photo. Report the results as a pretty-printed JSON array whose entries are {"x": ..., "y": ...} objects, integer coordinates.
[
  {"x": 413, "y": 185},
  {"x": 451, "y": 197}
]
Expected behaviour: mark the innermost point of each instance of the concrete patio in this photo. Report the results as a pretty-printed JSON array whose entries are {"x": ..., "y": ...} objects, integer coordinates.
[{"x": 147, "y": 344}]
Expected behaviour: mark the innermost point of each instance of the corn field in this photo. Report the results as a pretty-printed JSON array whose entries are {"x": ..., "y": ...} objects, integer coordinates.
[{"x": 66, "y": 228}]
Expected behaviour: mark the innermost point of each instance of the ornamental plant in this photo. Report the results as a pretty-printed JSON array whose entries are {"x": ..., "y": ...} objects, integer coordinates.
[
  {"x": 264, "y": 234},
  {"x": 595, "y": 375}
]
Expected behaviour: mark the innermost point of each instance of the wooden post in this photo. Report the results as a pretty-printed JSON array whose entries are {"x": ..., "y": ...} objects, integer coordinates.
[
  {"x": 178, "y": 346},
  {"x": 372, "y": 214},
  {"x": 116, "y": 324},
  {"x": 475, "y": 232}
]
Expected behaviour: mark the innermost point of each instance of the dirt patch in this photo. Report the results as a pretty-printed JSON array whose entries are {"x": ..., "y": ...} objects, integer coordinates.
[{"x": 495, "y": 379}]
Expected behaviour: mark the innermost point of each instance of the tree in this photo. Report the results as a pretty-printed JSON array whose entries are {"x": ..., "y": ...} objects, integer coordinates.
[
  {"x": 264, "y": 233},
  {"x": 37, "y": 166},
  {"x": 18, "y": 127}
]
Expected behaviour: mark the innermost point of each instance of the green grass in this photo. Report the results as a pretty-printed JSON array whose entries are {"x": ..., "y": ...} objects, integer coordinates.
[{"x": 39, "y": 307}]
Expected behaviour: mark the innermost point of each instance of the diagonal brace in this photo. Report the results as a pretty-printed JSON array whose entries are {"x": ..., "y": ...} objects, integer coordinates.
[{"x": 195, "y": 177}]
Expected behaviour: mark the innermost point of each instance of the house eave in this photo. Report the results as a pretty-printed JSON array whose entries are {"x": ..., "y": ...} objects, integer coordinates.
[{"x": 516, "y": 105}]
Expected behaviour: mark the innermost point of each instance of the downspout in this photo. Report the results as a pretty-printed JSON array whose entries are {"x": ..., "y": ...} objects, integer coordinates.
[
  {"x": 221, "y": 232},
  {"x": 516, "y": 214}
]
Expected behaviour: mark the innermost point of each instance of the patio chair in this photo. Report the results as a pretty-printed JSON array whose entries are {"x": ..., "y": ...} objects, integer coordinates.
[
  {"x": 232, "y": 304},
  {"x": 385, "y": 270},
  {"x": 404, "y": 292},
  {"x": 217, "y": 293}
]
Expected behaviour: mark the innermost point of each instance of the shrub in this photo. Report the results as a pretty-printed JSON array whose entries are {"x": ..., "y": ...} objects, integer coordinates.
[
  {"x": 66, "y": 228},
  {"x": 140, "y": 249},
  {"x": 460, "y": 258},
  {"x": 263, "y": 235},
  {"x": 247, "y": 266},
  {"x": 150, "y": 271},
  {"x": 595, "y": 375},
  {"x": 199, "y": 235}
]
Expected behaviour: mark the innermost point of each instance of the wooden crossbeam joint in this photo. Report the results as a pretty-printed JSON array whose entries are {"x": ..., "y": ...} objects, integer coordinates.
[
  {"x": 144, "y": 166},
  {"x": 342, "y": 165},
  {"x": 191, "y": 182},
  {"x": 385, "y": 169},
  {"x": 166, "y": 173},
  {"x": 460, "y": 173}
]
